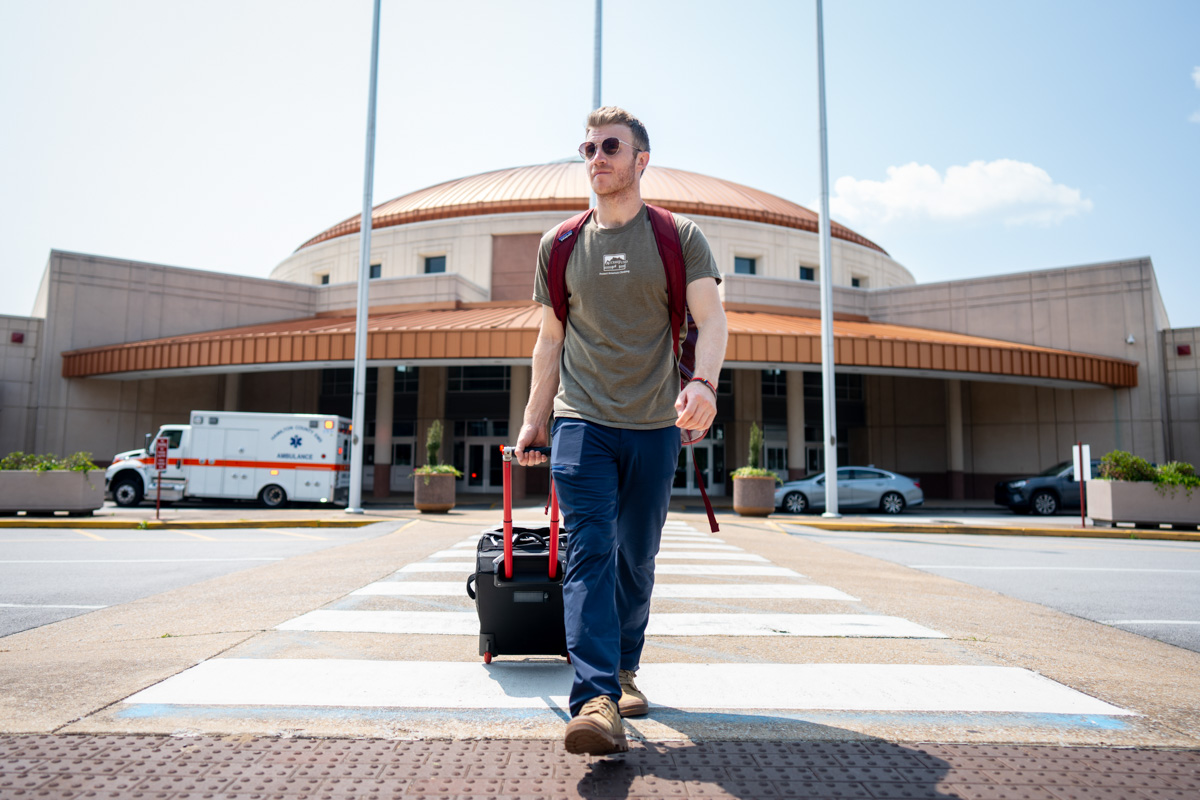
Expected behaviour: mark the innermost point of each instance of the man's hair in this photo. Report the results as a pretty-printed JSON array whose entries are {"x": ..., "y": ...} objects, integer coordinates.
[{"x": 615, "y": 115}]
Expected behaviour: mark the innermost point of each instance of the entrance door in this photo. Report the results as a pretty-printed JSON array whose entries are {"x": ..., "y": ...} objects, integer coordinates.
[
  {"x": 710, "y": 457},
  {"x": 477, "y": 455}
]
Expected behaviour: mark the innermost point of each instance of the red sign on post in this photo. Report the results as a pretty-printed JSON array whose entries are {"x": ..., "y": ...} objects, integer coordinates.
[
  {"x": 160, "y": 454},
  {"x": 160, "y": 463}
]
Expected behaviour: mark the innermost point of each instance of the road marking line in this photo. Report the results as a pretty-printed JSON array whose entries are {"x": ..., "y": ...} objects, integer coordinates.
[
  {"x": 501, "y": 685},
  {"x": 439, "y": 566},
  {"x": 278, "y": 532},
  {"x": 1051, "y": 569},
  {"x": 1150, "y": 622},
  {"x": 199, "y": 536},
  {"x": 46, "y": 605},
  {"x": 467, "y": 567},
  {"x": 89, "y": 535},
  {"x": 721, "y": 569},
  {"x": 667, "y": 545},
  {"x": 664, "y": 591},
  {"x": 466, "y": 623}
]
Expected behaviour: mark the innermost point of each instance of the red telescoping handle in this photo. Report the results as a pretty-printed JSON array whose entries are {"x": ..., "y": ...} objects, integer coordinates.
[{"x": 507, "y": 453}]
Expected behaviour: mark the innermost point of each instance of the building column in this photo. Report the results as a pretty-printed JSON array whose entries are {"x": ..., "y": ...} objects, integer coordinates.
[
  {"x": 431, "y": 405},
  {"x": 385, "y": 394},
  {"x": 954, "y": 440},
  {"x": 518, "y": 397},
  {"x": 747, "y": 409},
  {"x": 797, "y": 467},
  {"x": 233, "y": 389}
]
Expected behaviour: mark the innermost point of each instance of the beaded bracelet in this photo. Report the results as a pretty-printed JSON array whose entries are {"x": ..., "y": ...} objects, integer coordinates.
[{"x": 711, "y": 388}]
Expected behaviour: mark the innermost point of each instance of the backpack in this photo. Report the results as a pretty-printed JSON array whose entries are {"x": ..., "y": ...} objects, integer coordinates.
[{"x": 670, "y": 250}]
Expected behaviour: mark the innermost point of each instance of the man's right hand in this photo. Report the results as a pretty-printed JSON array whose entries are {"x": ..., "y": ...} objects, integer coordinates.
[{"x": 531, "y": 436}]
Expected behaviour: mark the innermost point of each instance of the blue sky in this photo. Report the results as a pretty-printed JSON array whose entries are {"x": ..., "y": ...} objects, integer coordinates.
[{"x": 966, "y": 138}]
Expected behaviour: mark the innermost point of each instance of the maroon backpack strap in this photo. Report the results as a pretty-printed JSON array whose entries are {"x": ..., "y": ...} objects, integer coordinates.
[
  {"x": 670, "y": 250},
  {"x": 560, "y": 253}
]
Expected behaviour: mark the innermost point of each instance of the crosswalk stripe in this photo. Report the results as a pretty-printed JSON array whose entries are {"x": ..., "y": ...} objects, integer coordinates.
[
  {"x": 466, "y": 623},
  {"x": 679, "y": 555},
  {"x": 664, "y": 591},
  {"x": 730, "y": 687}
]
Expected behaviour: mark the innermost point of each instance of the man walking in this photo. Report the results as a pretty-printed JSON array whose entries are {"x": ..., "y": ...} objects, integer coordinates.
[{"x": 610, "y": 376}]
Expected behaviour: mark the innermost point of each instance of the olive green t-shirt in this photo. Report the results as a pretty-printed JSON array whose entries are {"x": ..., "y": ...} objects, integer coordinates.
[{"x": 618, "y": 367}]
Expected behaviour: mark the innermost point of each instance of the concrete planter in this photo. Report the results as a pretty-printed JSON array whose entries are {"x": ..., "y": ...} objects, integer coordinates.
[
  {"x": 54, "y": 490},
  {"x": 754, "y": 497},
  {"x": 1141, "y": 503},
  {"x": 433, "y": 494}
]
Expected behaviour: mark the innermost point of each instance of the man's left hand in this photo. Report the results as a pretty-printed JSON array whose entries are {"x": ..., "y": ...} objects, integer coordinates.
[{"x": 696, "y": 407}]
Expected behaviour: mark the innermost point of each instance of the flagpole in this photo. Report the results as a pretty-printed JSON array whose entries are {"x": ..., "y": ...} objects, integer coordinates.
[
  {"x": 827, "y": 388},
  {"x": 358, "y": 438},
  {"x": 596, "y": 61}
]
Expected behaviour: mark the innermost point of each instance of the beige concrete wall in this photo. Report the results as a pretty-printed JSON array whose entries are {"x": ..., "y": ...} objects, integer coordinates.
[
  {"x": 92, "y": 300},
  {"x": 1090, "y": 309},
  {"x": 17, "y": 396},
  {"x": 756, "y": 290},
  {"x": 1008, "y": 429},
  {"x": 1183, "y": 392},
  {"x": 467, "y": 244},
  {"x": 293, "y": 392}
]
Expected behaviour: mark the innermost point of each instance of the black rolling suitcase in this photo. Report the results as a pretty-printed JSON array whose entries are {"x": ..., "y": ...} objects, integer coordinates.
[{"x": 517, "y": 586}]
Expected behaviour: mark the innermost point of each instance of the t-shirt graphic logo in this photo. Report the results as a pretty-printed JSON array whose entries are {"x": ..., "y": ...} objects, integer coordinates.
[{"x": 615, "y": 263}]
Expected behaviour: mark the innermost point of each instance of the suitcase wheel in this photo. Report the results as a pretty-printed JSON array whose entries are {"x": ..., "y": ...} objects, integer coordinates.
[{"x": 487, "y": 658}]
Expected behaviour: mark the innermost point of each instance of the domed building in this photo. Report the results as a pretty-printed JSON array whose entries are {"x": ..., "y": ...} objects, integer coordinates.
[{"x": 956, "y": 383}]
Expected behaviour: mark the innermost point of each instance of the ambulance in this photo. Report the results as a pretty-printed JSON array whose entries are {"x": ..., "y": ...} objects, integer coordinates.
[{"x": 233, "y": 455}]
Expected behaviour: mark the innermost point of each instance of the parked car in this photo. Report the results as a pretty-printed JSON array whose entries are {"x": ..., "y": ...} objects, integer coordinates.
[
  {"x": 858, "y": 487},
  {"x": 1049, "y": 492}
]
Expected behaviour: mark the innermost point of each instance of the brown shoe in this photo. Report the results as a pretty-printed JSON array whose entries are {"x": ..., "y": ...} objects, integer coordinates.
[
  {"x": 633, "y": 703},
  {"x": 597, "y": 730}
]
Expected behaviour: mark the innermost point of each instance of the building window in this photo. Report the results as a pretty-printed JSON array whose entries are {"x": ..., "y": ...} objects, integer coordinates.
[
  {"x": 774, "y": 383},
  {"x": 323, "y": 279},
  {"x": 858, "y": 282},
  {"x": 406, "y": 380},
  {"x": 376, "y": 270},
  {"x": 744, "y": 266},
  {"x": 808, "y": 274},
  {"x": 478, "y": 379},
  {"x": 845, "y": 386},
  {"x": 435, "y": 264}
]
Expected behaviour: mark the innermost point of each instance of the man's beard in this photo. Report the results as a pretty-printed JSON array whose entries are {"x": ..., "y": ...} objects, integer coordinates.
[{"x": 621, "y": 182}]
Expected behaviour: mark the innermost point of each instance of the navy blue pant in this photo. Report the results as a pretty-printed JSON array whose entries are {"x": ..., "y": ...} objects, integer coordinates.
[{"x": 613, "y": 488}]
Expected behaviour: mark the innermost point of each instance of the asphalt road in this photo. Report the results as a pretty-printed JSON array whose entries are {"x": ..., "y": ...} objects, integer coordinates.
[
  {"x": 1151, "y": 588},
  {"x": 47, "y": 575}
]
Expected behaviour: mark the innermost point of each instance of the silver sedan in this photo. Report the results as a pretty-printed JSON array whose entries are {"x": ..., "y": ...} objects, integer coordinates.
[{"x": 858, "y": 487}]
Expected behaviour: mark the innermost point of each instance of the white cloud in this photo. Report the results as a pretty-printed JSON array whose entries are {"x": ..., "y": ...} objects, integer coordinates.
[
  {"x": 1013, "y": 191},
  {"x": 1195, "y": 117},
  {"x": 1196, "y": 76}
]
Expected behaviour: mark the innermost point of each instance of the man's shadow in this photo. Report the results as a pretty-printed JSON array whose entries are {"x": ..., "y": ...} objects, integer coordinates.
[{"x": 787, "y": 757}]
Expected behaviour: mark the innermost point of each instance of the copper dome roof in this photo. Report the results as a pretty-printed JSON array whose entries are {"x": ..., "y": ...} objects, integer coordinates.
[{"x": 562, "y": 186}]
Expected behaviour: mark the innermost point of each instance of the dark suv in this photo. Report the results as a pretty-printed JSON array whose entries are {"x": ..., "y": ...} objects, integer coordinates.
[{"x": 1048, "y": 492}]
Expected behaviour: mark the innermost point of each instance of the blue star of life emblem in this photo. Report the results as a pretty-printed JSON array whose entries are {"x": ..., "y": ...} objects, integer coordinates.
[{"x": 295, "y": 441}]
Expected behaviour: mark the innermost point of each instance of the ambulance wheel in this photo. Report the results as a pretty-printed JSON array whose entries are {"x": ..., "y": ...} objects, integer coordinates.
[
  {"x": 487, "y": 658},
  {"x": 272, "y": 496},
  {"x": 127, "y": 493}
]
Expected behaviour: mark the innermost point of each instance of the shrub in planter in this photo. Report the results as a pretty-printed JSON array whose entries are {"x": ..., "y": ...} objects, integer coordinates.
[
  {"x": 753, "y": 486},
  {"x": 47, "y": 483},
  {"x": 434, "y": 483},
  {"x": 1130, "y": 489}
]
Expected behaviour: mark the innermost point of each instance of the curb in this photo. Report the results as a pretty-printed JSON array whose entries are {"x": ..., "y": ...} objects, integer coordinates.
[
  {"x": 993, "y": 530},
  {"x": 152, "y": 525}
]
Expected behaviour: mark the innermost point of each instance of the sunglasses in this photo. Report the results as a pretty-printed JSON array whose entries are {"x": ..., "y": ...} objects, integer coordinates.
[{"x": 611, "y": 146}]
